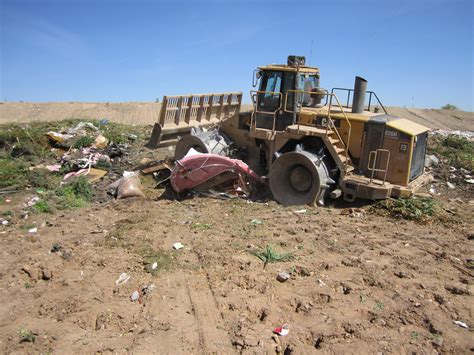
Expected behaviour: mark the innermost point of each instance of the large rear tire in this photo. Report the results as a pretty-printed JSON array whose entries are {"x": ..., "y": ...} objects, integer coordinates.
[{"x": 299, "y": 178}]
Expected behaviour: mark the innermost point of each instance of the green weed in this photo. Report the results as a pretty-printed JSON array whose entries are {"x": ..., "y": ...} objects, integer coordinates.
[
  {"x": 379, "y": 305},
  {"x": 201, "y": 226},
  {"x": 416, "y": 209},
  {"x": 42, "y": 206},
  {"x": 13, "y": 173},
  {"x": 75, "y": 194},
  {"x": 26, "y": 335},
  {"x": 270, "y": 255},
  {"x": 84, "y": 141}
]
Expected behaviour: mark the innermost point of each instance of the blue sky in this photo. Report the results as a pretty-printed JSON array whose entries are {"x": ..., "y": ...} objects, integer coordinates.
[{"x": 411, "y": 52}]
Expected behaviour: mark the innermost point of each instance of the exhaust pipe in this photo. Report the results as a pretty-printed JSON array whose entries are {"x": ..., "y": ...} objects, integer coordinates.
[{"x": 358, "y": 102}]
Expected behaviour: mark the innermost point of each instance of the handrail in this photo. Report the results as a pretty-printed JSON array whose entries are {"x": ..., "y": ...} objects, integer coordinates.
[
  {"x": 329, "y": 120},
  {"x": 254, "y": 96},
  {"x": 371, "y": 167},
  {"x": 368, "y": 92}
]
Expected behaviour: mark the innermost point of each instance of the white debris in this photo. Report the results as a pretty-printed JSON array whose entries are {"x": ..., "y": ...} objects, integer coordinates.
[
  {"x": 450, "y": 185},
  {"x": 461, "y": 324},
  {"x": 300, "y": 211},
  {"x": 33, "y": 230},
  {"x": 431, "y": 160},
  {"x": 469, "y": 181},
  {"x": 123, "y": 278},
  {"x": 135, "y": 296},
  {"x": 178, "y": 245},
  {"x": 154, "y": 265}
]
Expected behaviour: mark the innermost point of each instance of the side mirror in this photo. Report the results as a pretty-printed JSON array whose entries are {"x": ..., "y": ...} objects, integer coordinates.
[{"x": 257, "y": 74}]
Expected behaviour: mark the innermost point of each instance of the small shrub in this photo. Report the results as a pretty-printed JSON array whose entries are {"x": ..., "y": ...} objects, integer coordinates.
[
  {"x": 417, "y": 209},
  {"x": 12, "y": 173},
  {"x": 459, "y": 151},
  {"x": 43, "y": 178},
  {"x": 42, "y": 207},
  {"x": 449, "y": 107},
  {"x": 76, "y": 194}
]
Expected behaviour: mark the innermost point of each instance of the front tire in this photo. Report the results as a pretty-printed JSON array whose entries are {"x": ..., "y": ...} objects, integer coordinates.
[{"x": 299, "y": 178}]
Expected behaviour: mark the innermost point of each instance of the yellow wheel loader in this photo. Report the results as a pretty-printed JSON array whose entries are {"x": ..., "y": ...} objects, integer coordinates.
[{"x": 309, "y": 144}]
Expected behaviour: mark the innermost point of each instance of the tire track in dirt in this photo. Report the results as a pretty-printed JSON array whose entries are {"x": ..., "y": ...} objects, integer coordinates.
[{"x": 214, "y": 337}]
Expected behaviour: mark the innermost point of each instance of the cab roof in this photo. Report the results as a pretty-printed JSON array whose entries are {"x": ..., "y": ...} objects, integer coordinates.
[{"x": 283, "y": 67}]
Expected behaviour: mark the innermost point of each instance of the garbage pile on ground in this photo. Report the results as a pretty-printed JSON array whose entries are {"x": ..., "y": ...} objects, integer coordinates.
[{"x": 450, "y": 160}]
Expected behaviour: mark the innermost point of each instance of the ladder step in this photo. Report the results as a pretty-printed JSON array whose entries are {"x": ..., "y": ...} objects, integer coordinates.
[{"x": 339, "y": 150}]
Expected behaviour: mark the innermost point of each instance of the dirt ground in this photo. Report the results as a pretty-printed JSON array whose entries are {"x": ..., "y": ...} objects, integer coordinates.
[
  {"x": 360, "y": 282},
  {"x": 146, "y": 113}
]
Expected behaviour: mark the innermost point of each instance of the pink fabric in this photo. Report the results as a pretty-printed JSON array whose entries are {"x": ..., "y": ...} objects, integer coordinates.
[{"x": 195, "y": 170}]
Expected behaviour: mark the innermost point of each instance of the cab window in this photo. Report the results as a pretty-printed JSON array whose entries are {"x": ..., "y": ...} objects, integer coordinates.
[{"x": 271, "y": 84}]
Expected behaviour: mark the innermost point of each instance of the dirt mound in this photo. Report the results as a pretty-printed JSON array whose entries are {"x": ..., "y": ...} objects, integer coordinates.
[{"x": 146, "y": 113}]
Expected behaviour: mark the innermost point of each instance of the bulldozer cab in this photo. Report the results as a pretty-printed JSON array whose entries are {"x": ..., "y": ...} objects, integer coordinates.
[{"x": 274, "y": 103}]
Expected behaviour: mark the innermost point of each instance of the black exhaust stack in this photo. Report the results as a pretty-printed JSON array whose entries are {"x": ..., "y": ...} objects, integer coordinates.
[{"x": 358, "y": 102}]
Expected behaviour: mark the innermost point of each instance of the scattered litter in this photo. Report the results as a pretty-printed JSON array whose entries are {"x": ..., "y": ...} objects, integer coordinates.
[
  {"x": 300, "y": 211},
  {"x": 123, "y": 278},
  {"x": 450, "y": 185},
  {"x": 135, "y": 296},
  {"x": 461, "y": 324},
  {"x": 256, "y": 221},
  {"x": 129, "y": 187},
  {"x": 91, "y": 174},
  {"x": 469, "y": 181},
  {"x": 154, "y": 265},
  {"x": 148, "y": 167},
  {"x": 8, "y": 200},
  {"x": 147, "y": 289},
  {"x": 352, "y": 212},
  {"x": 101, "y": 142},
  {"x": 31, "y": 201},
  {"x": 53, "y": 168},
  {"x": 129, "y": 174},
  {"x": 5, "y": 222},
  {"x": 431, "y": 160},
  {"x": 178, "y": 246},
  {"x": 321, "y": 283},
  {"x": 433, "y": 189},
  {"x": 283, "y": 330},
  {"x": 58, "y": 137},
  {"x": 33, "y": 230},
  {"x": 80, "y": 127},
  {"x": 283, "y": 276}
]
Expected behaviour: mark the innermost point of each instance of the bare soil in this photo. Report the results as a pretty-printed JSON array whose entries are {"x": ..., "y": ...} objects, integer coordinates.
[{"x": 360, "y": 282}]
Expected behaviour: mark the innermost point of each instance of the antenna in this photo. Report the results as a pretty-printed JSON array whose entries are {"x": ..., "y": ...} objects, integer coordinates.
[{"x": 310, "y": 53}]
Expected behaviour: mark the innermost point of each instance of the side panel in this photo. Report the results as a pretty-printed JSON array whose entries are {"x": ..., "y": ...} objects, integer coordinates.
[{"x": 399, "y": 148}]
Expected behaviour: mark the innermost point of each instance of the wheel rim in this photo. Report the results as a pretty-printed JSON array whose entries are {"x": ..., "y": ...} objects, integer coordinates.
[
  {"x": 301, "y": 178},
  {"x": 298, "y": 178}
]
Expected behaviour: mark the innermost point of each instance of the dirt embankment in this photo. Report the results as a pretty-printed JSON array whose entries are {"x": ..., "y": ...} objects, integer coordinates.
[{"x": 146, "y": 113}]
